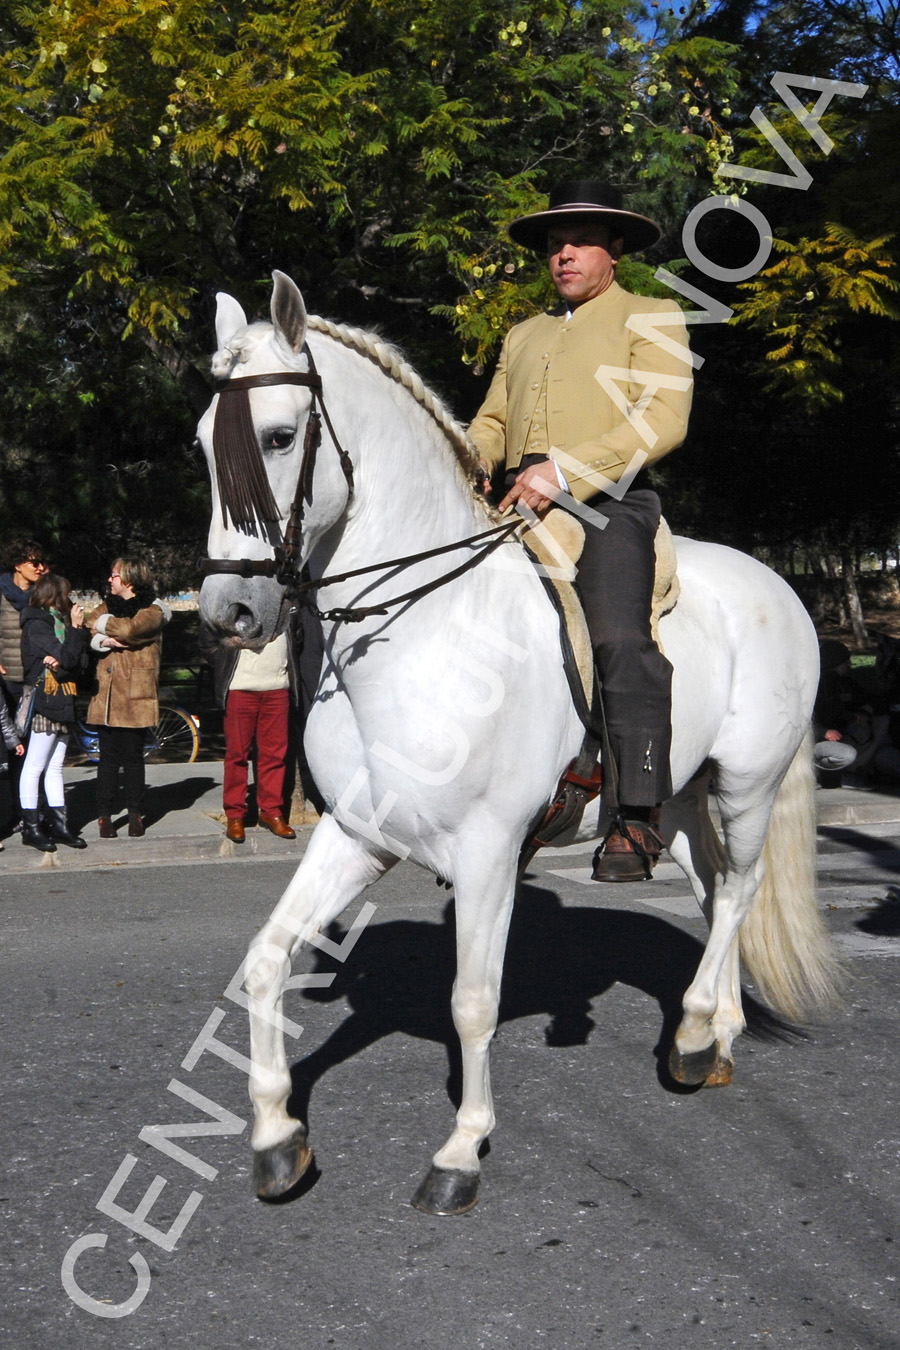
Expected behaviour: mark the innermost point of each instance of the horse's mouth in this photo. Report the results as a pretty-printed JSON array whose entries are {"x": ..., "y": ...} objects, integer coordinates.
[{"x": 240, "y": 628}]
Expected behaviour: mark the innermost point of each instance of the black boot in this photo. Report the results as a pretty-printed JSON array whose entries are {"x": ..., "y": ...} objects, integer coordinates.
[
  {"x": 33, "y": 832},
  {"x": 59, "y": 829}
]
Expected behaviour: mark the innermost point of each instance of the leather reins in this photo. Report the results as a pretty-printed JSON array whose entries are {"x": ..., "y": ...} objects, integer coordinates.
[{"x": 237, "y": 453}]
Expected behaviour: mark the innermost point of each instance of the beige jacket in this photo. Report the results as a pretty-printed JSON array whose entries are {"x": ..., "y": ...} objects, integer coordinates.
[
  {"x": 582, "y": 418},
  {"x": 125, "y": 692}
]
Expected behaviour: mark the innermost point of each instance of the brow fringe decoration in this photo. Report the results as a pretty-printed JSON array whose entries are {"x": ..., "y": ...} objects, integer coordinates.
[{"x": 244, "y": 490}]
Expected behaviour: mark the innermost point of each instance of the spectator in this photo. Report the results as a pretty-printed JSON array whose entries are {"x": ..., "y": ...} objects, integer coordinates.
[
  {"x": 10, "y": 740},
  {"x": 254, "y": 689},
  {"x": 54, "y": 652},
  {"x": 25, "y": 563},
  {"x": 852, "y": 724},
  {"x": 834, "y": 709},
  {"x": 127, "y": 633}
]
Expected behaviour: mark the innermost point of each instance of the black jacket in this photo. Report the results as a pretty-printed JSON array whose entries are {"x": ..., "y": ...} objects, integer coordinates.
[{"x": 39, "y": 640}]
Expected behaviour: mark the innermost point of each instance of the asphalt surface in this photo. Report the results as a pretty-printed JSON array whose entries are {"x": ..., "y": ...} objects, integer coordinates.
[{"x": 616, "y": 1209}]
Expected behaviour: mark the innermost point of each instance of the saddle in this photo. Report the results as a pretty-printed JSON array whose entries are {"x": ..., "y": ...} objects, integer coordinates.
[{"x": 555, "y": 544}]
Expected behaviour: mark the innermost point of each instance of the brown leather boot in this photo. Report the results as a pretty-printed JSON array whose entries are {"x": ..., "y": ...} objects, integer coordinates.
[
  {"x": 630, "y": 850},
  {"x": 277, "y": 824},
  {"x": 106, "y": 828},
  {"x": 234, "y": 829},
  {"x": 135, "y": 825}
]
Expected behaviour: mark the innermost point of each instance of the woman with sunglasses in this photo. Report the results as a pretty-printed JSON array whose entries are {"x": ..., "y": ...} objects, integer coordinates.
[{"x": 127, "y": 633}]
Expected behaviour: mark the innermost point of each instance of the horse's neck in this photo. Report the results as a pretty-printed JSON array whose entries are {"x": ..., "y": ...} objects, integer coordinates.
[{"x": 409, "y": 495}]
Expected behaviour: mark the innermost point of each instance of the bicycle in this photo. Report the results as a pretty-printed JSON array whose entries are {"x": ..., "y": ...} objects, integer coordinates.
[{"x": 174, "y": 740}]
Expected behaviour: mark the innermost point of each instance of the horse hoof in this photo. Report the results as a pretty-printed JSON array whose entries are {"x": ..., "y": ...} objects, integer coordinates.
[
  {"x": 446, "y": 1190},
  {"x": 277, "y": 1169},
  {"x": 722, "y": 1075},
  {"x": 694, "y": 1067}
]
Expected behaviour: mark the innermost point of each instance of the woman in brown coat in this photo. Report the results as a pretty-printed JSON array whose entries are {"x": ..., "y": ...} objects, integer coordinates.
[{"x": 128, "y": 638}]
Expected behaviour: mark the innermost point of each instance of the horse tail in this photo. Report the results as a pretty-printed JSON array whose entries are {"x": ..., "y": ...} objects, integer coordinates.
[{"x": 784, "y": 942}]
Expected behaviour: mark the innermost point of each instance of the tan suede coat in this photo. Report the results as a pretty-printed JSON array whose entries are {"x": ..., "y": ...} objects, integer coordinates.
[
  {"x": 125, "y": 692},
  {"x": 546, "y": 396}
]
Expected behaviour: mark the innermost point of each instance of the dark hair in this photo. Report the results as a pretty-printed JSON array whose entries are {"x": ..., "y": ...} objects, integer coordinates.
[
  {"x": 21, "y": 549},
  {"x": 51, "y": 592},
  {"x": 135, "y": 573},
  {"x": 832, "y": 654}
]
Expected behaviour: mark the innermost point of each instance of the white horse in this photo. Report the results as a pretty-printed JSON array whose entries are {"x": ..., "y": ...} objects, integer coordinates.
[{"x": 442, "y": 724}]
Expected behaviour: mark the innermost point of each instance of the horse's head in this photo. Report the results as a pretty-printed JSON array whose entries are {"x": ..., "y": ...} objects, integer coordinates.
[{"x": 260, "y": 443}]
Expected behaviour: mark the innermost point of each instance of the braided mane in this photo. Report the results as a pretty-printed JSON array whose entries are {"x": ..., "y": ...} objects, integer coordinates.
[{"x": 389, "y": 359}]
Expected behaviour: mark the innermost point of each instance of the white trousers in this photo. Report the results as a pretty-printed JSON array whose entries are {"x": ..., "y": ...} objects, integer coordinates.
[{"x": 45, "y": 755}]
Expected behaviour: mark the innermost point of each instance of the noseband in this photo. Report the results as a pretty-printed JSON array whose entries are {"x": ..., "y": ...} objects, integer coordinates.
[{"x": 244, "y": 490}]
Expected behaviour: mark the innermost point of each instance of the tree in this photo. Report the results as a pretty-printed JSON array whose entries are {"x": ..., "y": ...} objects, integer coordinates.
[
  {"x": 808, "y": 424},
  {"x": 154, "y": 151}
]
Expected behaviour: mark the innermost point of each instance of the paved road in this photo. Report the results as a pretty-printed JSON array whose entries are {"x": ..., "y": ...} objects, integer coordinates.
[{"x": 616, "y": 1210}]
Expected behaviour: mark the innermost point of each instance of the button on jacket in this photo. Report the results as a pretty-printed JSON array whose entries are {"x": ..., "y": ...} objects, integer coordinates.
[{"x": 545, "y": 394}]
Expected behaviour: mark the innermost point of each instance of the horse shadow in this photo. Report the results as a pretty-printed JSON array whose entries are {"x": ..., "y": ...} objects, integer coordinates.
[
  {"x": 883, "y": 920},
  {"x": 398, "y": 978}
]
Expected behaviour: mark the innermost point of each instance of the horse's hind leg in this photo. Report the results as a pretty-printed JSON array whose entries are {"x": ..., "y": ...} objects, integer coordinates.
[
  {"x": 335, "y": 869},
  {"x": 694, "y": 844},
  {"x": 484, "y": 898},
  {"x": 712, "y": 1014}
]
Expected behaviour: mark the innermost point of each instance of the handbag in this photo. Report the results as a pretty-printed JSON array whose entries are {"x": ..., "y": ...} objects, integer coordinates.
[{"x": 25, "y": 710}]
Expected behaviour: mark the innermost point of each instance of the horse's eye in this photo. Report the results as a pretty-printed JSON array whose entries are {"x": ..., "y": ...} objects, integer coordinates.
[{"x": 277, "y": 441}]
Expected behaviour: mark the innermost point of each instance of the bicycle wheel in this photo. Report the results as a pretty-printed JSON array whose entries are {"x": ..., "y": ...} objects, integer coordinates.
[
  {"x": 174, "y": 740},
  {"x": 87, "y": 741}
]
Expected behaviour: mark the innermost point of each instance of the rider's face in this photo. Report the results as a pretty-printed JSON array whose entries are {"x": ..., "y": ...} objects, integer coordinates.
[{"x": 582, "y": 260}]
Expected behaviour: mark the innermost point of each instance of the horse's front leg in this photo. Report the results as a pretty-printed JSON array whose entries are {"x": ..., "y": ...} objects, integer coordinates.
[
  {"x": 335, "y": 869},
  {"x": 483, "y": 909}
]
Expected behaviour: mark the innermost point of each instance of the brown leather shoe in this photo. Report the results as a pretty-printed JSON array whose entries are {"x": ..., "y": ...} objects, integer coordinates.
[
  {"x": 135, "y": 825},
  {"x": 106, "y": 828},
  {"x": 277, "y": 824},
  {"x": 234, "y": 829},
  {"x": 628, "y": 853}
]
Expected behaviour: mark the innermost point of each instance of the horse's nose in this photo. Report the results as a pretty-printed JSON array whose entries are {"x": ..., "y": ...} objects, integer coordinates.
[{"x": 242, "y": 622}]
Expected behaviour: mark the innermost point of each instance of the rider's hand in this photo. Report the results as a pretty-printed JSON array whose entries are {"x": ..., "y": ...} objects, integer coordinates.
[
  {"x": 833, "y": 736},
  {"x": 537, "y": 488},
  {"x": 52, "y": 662},
  {"x": 483, "y": 479}
]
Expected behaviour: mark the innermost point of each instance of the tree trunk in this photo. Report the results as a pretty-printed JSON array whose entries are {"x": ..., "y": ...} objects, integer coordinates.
[
  {"x": 814, "y": 563},
  {"x": 851, "y": 598}
]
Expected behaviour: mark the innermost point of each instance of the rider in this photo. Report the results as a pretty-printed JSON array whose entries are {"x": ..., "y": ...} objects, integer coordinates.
[{"x": 552, "y": 421}]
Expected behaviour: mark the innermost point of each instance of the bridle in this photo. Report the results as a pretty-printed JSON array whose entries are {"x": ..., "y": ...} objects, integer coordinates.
[
  {"x": 246, "y": 495},
  {"x": 244, "y": 490}
]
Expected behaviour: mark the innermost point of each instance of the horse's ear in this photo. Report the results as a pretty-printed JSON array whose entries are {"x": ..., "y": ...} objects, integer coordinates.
[
  {"x": 288, "y": 312},
  {"x": 230, "y": 318}
]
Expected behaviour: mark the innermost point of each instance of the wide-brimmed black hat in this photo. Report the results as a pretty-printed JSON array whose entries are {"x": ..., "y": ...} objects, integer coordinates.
[{"x": 586, "y": 199}]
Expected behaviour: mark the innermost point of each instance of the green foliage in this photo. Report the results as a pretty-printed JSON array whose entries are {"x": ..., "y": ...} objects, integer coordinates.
[
  {"x": 155, "y": 151},
  {"x": 800, "y": 302}
]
